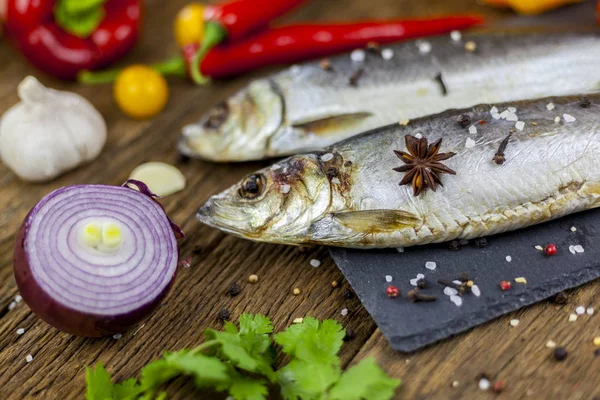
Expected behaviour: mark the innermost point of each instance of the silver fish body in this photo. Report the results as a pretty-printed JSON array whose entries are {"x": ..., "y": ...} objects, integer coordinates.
[
  {"x": 306, "y": 107},
  {"x": 349, "y": 195}
]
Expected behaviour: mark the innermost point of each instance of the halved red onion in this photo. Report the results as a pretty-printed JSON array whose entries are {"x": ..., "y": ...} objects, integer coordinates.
[{"x": 95, "y": 288}]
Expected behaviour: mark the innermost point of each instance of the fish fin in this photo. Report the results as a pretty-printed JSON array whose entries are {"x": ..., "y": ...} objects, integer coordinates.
[
  {"x": 330, "y": 124},
  {"x": 372, "y": 221}
]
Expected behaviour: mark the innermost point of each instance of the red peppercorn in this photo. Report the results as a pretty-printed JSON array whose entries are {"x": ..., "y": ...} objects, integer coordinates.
[
  {"x": 392, "y": 291},
  {"x": 498, "y": 387},
  {"x": 550, "y": 250},
  {"x": 505, "y": 285}
]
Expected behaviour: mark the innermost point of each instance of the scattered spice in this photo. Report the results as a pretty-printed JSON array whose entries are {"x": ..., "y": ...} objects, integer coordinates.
[
  {"x": 415, "y": 295},
  {"x": 521, "y": 279},
  {"x": 505, "y": 285},
  {"x": 373, "y": 47},
  {"x": 388, "y": 278},
  {"x": 499, "y": 157},
  {"x": 358, "y": 55},
  {"x": 597, "y": 341},
  {"x": 350, "y": 334},
  {"x": 454, "y": 245},
  {"x": 560, "y": 353},
  {"x": 348, "y": 294},
  {"x": 223, "y": 315},
  {"x": 430, "y": 265},
  {"x": 498, "y": 387},
  {"x": 597, "y": 352},
  {"x": 117, "y": 336},
  {"x": 464, "y": 120},
  {"x": 584, "y": 102},
  {"x": 392, "y": 291},
  {"x": 325, "y": 65},
  {"x": 298, "y": 320},
  {"x": 186, "y": 262},
  {"x": 560, "y": 298},
  {"x": 440, "y": 80},
  {"x": 480, "y": 242},
  {"x": 423, "y": 164},
  {"x": 29, "y": 358},
  {"x": 234, "y": 289},
  {"x": 508, "y": 258},
  {"x": 20, "y": 331},
  {"x": 550, "y": 249},
  {"x": 253, "y": 278},
  {"x": 484, "y": 384},
  {"x": 580, "y": 310},
  {"x": 590, "y": 311},
  {"x": 315, "y": 263},
  {"x": 353, "y": 80},
  {"x": 334, "y": 284},
  {"x": 455, "y": 384},
  {"x": 514, "y": 322},
  {"x": 296, "y": 291},
  {"x": 572, "y": 317},
  {"x": 387, "y": 54},
  {"x": 470, "y": 46},
  {"x": 415, "y": 281},
  {"x": 183, "y": 159},
  {"x": 422, "y": 283},
  {"x": 550, "y": 344}
]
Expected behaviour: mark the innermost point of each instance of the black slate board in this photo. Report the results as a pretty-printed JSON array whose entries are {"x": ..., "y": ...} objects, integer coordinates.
[{"x": 410, "y": 326}]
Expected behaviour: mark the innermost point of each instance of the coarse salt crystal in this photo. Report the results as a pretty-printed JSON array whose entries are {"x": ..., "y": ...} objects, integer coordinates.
[
  {"x": 512, "y": 117},
  {"x": 387, "y": 54},
  {"x": 18, "y": 298},
  {"x": 470, "y": 143},
  {"x": 276, "y": 167},
  {"x": 573, "y": 229},
  {"x": 569, "y": 118},
  {"x": 327, "y": 157},
  {"x": 550, "y": 106},
  {"x": 484, "y": 384},
  {"x": 550, "y": 344},
  {"x": 12, "y": 305},
  {"x": 117, "y": 336},
  {"x": 20, "y": 331},
  {"x": 456, "y": 36},
  {"x": 514, "y": 322},
  {"x": 418, "y": 135},
  {"x": 448, "y": 291},
  {"x": 404, "y": 121},
  {"x": 504, "y": 114},
  {"x": 344, "y": 312},
  {"x": 578, "y": 248},
  {"x": 557, "y": 120},
  {"x": 388, "y": 278},
  {"x": 457, "y": 282},
  {"x": 315, "y": 263},
  {"x": 29, "y": 358},
  {"x": 285, "y": 188},
  {"x": 495, "y": 115},
  {"x": 580, "y": 310},
  {"x": 414, "y": 281},
  {"x": 572, "y": 317},
  {"x": 424, "y": 46},
  {"x": 456, "y": 300},
  {"x": 512, "y": 109},
  {"x": 358, "y": 55},
  {"x": 455, "y": 384},
  {"x": 472, "y": 129},
  {"x": 298, "y": 320},
  {"x": 430, "y": 265},
  {"x": 538, "y": 247},
  {"x": 508, "y": 258},
  {"x": 572, "y": 249},
  {"x": 475, "y": 290},
  {"x": 494, "y": 110},
  {"x": 400, "y": 249},
  {"x": 520, "y": 125},
  {"x": 336, "y": 181},
  {"x": 590, "y": 311}
]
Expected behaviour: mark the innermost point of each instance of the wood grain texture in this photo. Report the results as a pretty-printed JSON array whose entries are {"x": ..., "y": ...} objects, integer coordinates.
[{"x": 516, "y": 355}]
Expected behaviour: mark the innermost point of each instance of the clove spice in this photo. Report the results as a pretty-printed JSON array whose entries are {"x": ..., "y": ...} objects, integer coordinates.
[
  {"x": 415, "y": 296},
  {"x": 464, "y": 120},
  {"x": 353, "y": 81},
  {"x": 499, "y": 156},
  {"x": 440, "y": 80}
]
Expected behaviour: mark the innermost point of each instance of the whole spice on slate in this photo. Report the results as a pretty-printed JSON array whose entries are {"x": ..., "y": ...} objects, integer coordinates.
[
  {"x": 440, "y": 80},
  {"x": 585, "y": 102},
  {"x": 422, "y": 283},
  {"x": 350, "y": 334},
  {"x": 505, "y": 285},
  {"x": 499, "y": 156},
  {"x": 423, "y": 164},
  {"x": 234, "y": 289},
  {"x": 454, "y": 245},
  {"x": 224, "y": 315},
  {"x": 392, "y": 291},
  {"x": 550, "y": 250},
  {"x": 464, "y": 277},
  {"x": 415, "y": 295},
  {"x": 480, "y": 242},
  {"x": 464, "y": 120},
  {"x": 560, "y": 353},
  {"x": 373, "y": 47},
  {"x": 560, "y": 298},
  {"x": 348, "y": 294},
  {"x": 353, "y": 80}
]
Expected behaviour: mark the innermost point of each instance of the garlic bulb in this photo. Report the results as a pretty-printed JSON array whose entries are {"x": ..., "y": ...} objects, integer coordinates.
[{"x": 49, "y": 132}]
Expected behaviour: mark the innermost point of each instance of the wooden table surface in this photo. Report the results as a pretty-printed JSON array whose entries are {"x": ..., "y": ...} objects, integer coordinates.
[{"x": 517, "y": 356}]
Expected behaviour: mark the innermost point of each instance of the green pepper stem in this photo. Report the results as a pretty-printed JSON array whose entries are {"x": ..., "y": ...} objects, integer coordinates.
[
  {"x": 214, "y": 33},
  {"x": 172, "y": 67}
]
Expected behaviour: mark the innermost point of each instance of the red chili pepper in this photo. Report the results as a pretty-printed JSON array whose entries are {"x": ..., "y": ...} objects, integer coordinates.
[
  {"x": 296, "y": 43},
  {"x": 57, "y": 40}
]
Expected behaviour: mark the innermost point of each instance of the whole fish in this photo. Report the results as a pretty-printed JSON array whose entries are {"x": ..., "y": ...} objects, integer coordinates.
[
  {"x": 502, "y": 175},
  {"x": 314, "y": 105}
]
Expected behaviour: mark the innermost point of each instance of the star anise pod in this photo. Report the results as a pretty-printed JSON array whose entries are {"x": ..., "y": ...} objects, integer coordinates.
[{"x": 423, "y": 164}]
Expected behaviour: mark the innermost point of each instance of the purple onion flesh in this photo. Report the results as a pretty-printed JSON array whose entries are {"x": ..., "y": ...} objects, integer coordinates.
[{"x": 90, "y": 291}]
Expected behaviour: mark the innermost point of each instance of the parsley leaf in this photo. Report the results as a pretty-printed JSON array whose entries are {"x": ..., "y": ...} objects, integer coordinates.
[
  {"x": 245, "y": 388},
  {"x": 365, "y": 380},
  {"x": 99, "y": 385}
]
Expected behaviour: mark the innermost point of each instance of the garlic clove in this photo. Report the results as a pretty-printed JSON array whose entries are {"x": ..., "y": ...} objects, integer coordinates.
[{"x": 162, "y": 178}]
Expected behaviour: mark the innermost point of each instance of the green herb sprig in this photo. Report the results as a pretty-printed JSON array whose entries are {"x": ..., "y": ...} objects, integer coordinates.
[{"x": 239, "y": 361}]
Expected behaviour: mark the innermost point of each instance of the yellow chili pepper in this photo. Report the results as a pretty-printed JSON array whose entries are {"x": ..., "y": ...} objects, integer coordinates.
[
  {"x": 530, "y": 7},
  {"x": 189, "y": 24}
]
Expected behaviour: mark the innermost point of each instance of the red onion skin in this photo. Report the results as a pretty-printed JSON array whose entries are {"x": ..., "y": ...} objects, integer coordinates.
[{"x": 65, "y": 318}]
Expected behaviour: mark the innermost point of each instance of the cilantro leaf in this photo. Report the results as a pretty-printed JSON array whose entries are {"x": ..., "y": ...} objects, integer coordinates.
[
  {"x": 156, "y": 373},
  {"x": 128, "y": 389},
  {"x": 365, "y": 380},
  {"x": 206, "y": 370},
  {"x": 313, "y": 378},
  {"x": 99, "y": 385},
  {"x": 289, "y": 338},
  {"x": 244, "y": 388}
]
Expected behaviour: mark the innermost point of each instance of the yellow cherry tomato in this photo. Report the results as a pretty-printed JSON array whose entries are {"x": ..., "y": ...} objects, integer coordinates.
[
  {"x": 141, "y": 92},
  {"x": 189, "y": 24}
]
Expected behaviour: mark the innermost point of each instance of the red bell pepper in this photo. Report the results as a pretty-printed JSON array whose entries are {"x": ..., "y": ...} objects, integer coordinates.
[
  {"x": 296, "y": 43},
  {"x": 63, "y": 37},
  {"x": 235, "y": 19}
]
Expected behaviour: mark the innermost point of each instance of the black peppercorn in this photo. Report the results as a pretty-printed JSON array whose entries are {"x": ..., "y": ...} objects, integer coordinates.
[
  {"x": 224, "y": 315},
  {"x": 585, "y": 102},
  {"x": 464, "y": 120},
  {"x": 454, "y": 245},
  {"x": 480, "y": 242},
  {"x": 350, "y": 334},
  {"x": 234, "y": 289},
  {"x": 597, "y": 352},
  {"x": 348, "y": 294},
  {"x": 560, "y": 298},
  {"x": 560, "y": 353}
]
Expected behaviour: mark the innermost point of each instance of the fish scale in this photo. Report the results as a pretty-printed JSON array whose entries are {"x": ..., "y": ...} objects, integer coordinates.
[{"x": 550, "y": 170}]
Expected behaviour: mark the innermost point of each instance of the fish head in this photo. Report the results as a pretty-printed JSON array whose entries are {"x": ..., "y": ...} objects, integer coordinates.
[
  {"x": 239, "y": 128},
  {"x": 277, "y": 204}
]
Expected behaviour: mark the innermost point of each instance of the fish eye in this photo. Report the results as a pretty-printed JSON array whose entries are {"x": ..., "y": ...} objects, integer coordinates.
[
  {"x": 252, "y": 186},
  {"x": 217, "y": 116}
]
